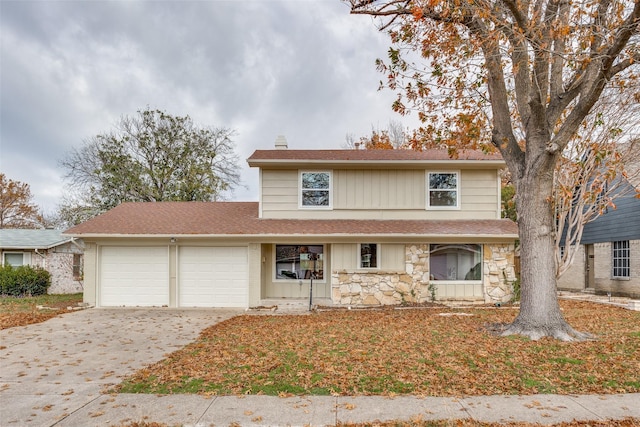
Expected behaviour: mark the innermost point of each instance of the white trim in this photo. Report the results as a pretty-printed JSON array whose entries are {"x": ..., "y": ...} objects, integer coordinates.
[
  {"x": 260, "y": 193},
  {"x": 329, "y": 190},
  {"x": 456, "y": 282},
  {"x": 26, "y": 257},
  {"x": 457, "y": 190},
  {"x": 499, "y": 187},
  {"x": 482, "y": 164}
]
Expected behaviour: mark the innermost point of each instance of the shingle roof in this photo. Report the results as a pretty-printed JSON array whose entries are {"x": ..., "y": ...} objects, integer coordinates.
[
  {"x": 13, "y": 238},
  {"x": 241, "y": 219},
  {"x": 261, "y": 156}
]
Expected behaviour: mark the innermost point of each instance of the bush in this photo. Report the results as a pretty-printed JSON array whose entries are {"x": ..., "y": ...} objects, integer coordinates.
[{"x": 24, "y": 281}]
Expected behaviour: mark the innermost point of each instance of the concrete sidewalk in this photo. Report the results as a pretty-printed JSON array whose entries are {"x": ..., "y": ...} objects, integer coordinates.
[
  {"x": 193, "y": 410},
  {"x": 55, "y": 374}
]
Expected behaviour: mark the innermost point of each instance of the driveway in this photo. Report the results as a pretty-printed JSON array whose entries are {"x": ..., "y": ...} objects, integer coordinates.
[{"x": 52, "y": 369}]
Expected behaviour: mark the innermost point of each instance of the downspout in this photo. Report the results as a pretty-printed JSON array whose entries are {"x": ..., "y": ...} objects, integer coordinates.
[
  {"x": 73, "y": 241},
  {"x": 44, "y": 258}
]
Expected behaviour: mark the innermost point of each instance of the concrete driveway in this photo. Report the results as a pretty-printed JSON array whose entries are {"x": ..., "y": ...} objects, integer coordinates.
[{"x": 52, "y": 369}]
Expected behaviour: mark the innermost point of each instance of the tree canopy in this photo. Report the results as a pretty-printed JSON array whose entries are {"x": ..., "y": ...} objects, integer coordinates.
[
  {"x": 150, "y": 157},
  {"x": 522, "y": 76},
  {"x": 17, "y": 209}
]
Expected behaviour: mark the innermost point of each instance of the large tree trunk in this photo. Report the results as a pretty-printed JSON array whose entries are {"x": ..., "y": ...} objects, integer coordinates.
[{"x": 540, "y": 313}]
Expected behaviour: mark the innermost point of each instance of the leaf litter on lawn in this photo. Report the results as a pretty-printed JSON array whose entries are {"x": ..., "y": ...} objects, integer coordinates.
[
  {"x": 408, "y": 351},
  {"x": 22, "y": 311}
]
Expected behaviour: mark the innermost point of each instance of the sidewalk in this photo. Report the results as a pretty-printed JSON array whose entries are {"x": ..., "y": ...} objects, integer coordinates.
[{"x": 193, "y": 410}]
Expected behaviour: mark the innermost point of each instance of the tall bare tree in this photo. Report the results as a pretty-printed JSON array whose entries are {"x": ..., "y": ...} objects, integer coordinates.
[
  {"x": 150, "y": 157},
  {"x": 524, "y": 76}
]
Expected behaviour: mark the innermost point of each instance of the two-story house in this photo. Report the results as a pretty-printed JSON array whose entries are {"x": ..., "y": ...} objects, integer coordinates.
[{"x": 361, "y": 227}]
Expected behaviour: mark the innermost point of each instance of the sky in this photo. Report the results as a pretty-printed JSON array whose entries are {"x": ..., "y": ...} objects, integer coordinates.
[{"x": 69, "y": 70}]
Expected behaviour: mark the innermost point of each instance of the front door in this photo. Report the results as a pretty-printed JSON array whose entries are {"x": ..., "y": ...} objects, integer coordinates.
[{"x": 589, "y": 274}]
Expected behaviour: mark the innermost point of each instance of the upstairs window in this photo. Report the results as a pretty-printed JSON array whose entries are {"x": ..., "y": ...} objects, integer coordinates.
[
  {"x": 621, "y": 260},
  {"x": 315, "y": 190},
  {"x": 443, "y": 190}
]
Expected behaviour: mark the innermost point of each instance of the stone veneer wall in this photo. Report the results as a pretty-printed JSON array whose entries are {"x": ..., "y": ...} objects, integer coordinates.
[
  {"x": 499, "y": 272},
  {"x": 366, "y": 287}
]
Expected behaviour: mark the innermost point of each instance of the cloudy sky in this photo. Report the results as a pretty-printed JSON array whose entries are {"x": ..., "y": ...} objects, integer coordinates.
[{"x": 70, "y": 69}]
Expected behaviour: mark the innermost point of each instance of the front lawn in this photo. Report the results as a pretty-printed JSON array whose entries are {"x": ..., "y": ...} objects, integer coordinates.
[
  {"x": 15, "y": 311},
  {"x": 431, "y": 352}
]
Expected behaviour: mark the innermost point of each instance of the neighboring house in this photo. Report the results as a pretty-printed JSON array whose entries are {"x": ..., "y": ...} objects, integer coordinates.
[
  {"x": 608, "y": 259},
  {"x": 59, "y": 255},
  {"x": 369, "y": 227}
]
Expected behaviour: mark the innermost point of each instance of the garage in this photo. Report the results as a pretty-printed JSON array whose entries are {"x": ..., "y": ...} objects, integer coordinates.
[
  {"x": 213, "y": 276},
  {"x": 134, "y": 276}
]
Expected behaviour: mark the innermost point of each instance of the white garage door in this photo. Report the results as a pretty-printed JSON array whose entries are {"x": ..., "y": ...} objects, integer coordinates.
[
  {"x": 134, "y": 276},
  {"x": 213, "y": 277}
]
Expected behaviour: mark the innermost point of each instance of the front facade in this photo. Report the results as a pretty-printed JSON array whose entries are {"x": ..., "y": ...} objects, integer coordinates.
[
  {"x": 352, "y": 227},
  {"x": 61, "y": 256}
]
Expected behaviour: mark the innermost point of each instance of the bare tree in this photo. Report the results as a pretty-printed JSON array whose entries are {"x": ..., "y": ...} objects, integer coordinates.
[
  {"x": 151, "y": 157},
  {"x": 594, "y": 170}
]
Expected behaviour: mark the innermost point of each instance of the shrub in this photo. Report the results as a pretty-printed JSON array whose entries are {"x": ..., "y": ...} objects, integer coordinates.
[{"x": 24, "y": 280}]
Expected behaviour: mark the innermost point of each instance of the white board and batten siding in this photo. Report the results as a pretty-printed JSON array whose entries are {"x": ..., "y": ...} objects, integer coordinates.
[
  {"x": 380, "y": 194},
  {"x": 391, "y": 256},
  {"x": 379, "y": 189},
  {"x": 213, "y": 276},
  {"x": 134, "y": 276}
]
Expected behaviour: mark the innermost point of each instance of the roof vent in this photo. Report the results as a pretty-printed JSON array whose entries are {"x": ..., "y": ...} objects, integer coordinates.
[{"x": 281, "y": 143}]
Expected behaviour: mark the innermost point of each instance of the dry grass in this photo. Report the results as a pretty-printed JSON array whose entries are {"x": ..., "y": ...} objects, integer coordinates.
[
  {"x": 24, "y": 311},
  {"x": 430, "y": 352}
]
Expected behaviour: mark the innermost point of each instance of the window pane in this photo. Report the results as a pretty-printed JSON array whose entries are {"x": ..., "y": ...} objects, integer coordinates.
[
  {"x": 77, "y": 266},
  {"x": 299, "y": 261},
  {"x": 455, "y": 262},
  {"x": 443, "y": 189},
  {"x": 315, "y": 180},
  {"x": 621, "y": 259},
  {"x": 315, "y": 198},
  {"x": 14, "y": 260},
  {"x": 368, "y": 255},
  {"x": 443, "y": 198},
  {"x": 438, "y": 181}
]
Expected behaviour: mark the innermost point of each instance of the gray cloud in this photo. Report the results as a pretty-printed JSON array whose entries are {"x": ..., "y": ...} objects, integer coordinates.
[{"x": 70, "y": 69}]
